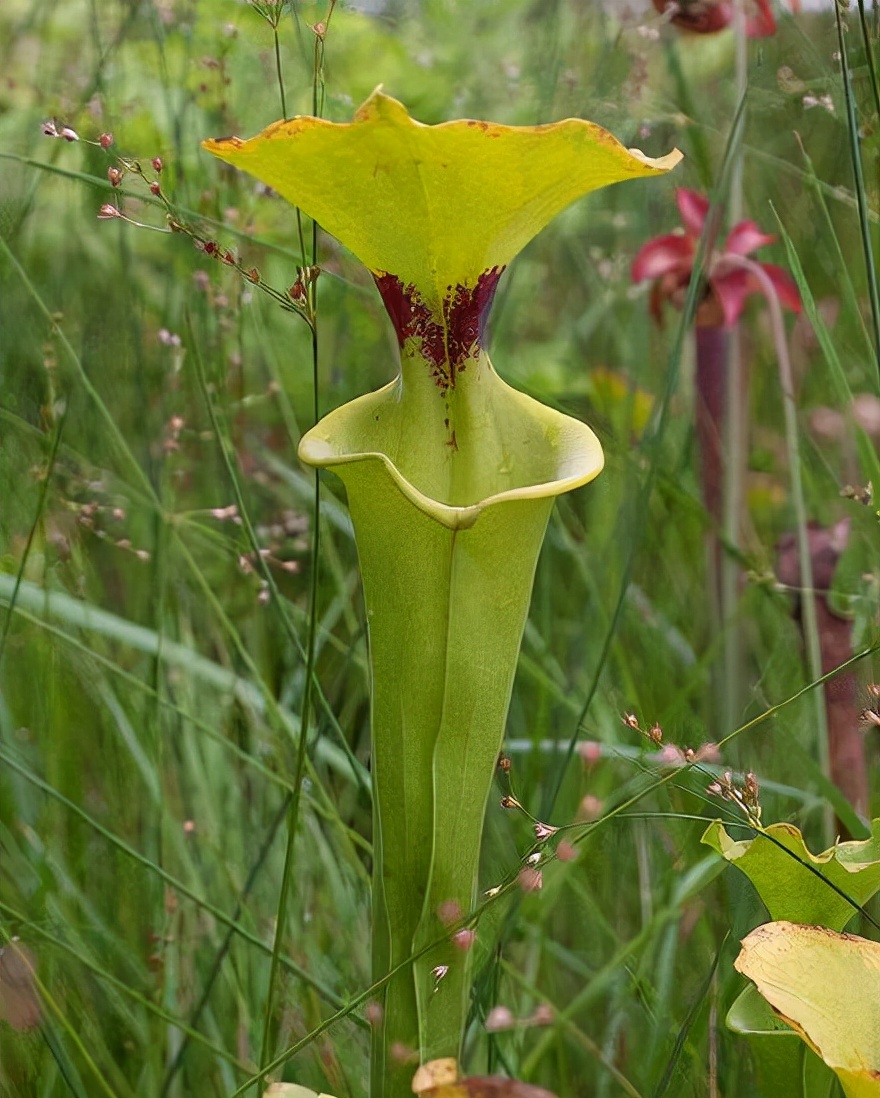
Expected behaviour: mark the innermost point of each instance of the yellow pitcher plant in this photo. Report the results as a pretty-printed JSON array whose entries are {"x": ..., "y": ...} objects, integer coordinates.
[{"x": 450, "y": 475}]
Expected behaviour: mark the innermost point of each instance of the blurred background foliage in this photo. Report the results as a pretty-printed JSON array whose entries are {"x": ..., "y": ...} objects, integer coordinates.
[{"x": 150, "y": 681}]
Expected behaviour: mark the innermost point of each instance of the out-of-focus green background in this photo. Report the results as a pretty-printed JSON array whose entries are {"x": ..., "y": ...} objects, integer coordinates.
[{"x": 149, "y": 687}]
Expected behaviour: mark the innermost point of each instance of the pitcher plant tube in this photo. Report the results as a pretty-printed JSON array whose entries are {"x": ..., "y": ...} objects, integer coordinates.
[{"x": 450, "y": 475}]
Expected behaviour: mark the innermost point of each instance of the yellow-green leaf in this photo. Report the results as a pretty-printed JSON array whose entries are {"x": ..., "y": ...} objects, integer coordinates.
[
  {"x": 784, "y": 1066},
  {"x": 793, "y": 883},
  {"x": 826, "y": 986},
  {"x": 436, "y": 206}
]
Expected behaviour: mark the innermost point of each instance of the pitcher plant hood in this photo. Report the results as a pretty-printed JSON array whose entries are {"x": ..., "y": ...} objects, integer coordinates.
[{"x": 436, "y": 213}]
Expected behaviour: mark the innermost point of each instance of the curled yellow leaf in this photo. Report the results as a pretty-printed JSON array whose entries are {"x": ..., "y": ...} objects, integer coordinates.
[{"x": 826, "y": 986}]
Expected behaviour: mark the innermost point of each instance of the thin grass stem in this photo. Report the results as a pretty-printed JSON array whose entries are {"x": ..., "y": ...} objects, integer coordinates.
[
  {"x": 306, "y": 706},
  {"x": 790, "y": 413},
  {"x": 41, "y": 504},
  {"x": 859, "y": 180}
]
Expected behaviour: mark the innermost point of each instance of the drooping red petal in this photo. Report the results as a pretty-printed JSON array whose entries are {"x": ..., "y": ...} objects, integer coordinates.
[
  {"x": 759, "y": 21},
  {"x": 668, "y": 254},
  {"x": 732, "y": 289},
  {"x": 784, "y": 285},
  {"x": 697, "y": 16},
  {"x": 745, "y": 237},
  {"x": 693, "y": 207}
]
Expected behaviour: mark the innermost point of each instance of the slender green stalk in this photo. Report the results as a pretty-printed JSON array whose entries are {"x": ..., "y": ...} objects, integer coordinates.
[
  {"x": 41, "y": 503},
  {"x": 859, "y": 180},
  {"x": 287, "y": 872},
  {"x": 869, "y": 57},
  {"x": 278, "y": 71},
  {"x": 808, "y": 594},
  {"x": 305, "y": 714},
  {"x": 734, "y": 430}
]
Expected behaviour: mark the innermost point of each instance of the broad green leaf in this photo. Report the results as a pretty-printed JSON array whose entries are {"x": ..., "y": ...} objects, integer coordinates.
[
  {"x": 793, "y": 883},
  {"x": 434, "y": 205},
  {"x": 826, "y": 986}
]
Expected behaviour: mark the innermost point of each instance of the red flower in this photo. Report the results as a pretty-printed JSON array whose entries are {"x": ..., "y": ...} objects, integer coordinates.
[
  {"x": 710, "y": 16},
  {"x": 669, "y": 261}
]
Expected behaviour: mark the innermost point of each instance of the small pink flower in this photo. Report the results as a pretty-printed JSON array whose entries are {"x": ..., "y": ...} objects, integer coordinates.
[
  {"x": 530, "y": 880},
  {"x": 499, "y": 1018},
  {"x": 668, "y": 262},
  {"x": 463, "y": 939}
]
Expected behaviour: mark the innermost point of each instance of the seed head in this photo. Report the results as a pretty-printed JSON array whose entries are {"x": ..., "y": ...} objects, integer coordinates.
[
  {"x": 499, "y": 1018},
  {"x": 449, "y": 912},
  {"x": 463, "y": 939},
  {"x": 590, "y": 751},
  {"x": 530, "y": 880},
  {"x": 590, "y": 808}
]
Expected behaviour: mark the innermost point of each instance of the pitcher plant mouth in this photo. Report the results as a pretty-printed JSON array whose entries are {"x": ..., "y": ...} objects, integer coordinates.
[{"x": 553, "y": 453}]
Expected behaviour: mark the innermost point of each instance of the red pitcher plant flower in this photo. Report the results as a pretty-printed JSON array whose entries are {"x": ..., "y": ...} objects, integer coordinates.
[
  {"x": 711, "y": 16},
  {"x": 729, "y": 276},
  {"x": 669, "y": 261}
]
